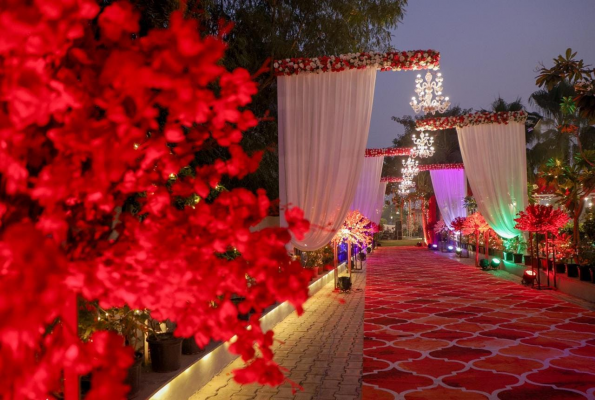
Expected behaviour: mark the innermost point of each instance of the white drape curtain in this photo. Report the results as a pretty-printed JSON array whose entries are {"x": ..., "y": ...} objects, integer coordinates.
[
  {"x": 366, "y": 195},
  {"x": 379, "y": 203},
  {"x": 495, "y": 158},
  {"x": 450, "y": 188},
  {"x": 324, "y": 120}
]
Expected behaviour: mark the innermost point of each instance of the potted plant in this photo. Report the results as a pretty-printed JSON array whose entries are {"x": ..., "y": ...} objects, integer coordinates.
[
  {"x": 164, "y": 348},
  {"x": 130, "y": 324},
  {"x": 314, "y": 261},
  {"x": 586, "y": 260},
  {"x": 190, "y": 347},
  {"x": 518, "y": 246}
]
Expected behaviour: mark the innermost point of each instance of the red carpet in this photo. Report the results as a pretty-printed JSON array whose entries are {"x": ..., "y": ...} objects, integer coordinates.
[{"x": 438, "y": 329}]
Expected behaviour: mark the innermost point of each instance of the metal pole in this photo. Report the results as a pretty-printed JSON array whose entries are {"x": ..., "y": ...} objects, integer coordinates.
[
  {"x": 70, "y": 322},
  {"x": 349, "y": 258}
]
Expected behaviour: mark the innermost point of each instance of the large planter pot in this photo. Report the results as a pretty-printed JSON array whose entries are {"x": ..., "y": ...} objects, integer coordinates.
[
  {"x": 584, "y": 273},
  {"x": 344, "y": 283},
  {"x": 517, "y": 258},
  {"x": 189, "y": 346},
  {"x": 166, "y": 352},
  {"x": 528, "y": 260},
  {"x": 560, "y": 268},
  {"x": 508, "y": 256},
  {"x": 133, "y": 377},
  {"x": 572, "y": 270}
]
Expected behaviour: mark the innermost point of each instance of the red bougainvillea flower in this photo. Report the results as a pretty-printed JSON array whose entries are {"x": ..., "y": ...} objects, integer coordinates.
[
  {"x": 101, "y": 201},
  {"x": 539, "y": 218},
  {"x": 296, "y": 222}
]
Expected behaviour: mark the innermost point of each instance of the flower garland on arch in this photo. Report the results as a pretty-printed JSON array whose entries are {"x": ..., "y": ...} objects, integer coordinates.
[
  {"x": 390, "y": 61},
  {"x": 436, "y": 167},
  {"x": 393, "y": 179},
  {"x": 388, "y": 152},
  {"x": 478, "y": 118},
  {"x": 427, "y": 167}
]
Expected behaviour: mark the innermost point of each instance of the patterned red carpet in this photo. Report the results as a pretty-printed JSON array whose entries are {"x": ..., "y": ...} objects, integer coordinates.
[{"x": 438, "y": 329}]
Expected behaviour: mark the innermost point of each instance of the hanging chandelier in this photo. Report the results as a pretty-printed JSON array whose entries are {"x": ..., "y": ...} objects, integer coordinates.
[
  {"x": 423, "y": 146},
  {"x": 410, "y": 169},
  {"x": 405, "y": 186},
  {"x": 426, "y": 91}
]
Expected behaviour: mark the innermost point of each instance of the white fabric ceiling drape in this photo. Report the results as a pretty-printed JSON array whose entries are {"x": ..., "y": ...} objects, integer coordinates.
[
  {"x": 450, "y": 188},
  {"x": 324, "y": 120},
  {"x": 495, "y": 158},
  {"x": 366, "y": 195},
  {"x": 379, "y": 203}
]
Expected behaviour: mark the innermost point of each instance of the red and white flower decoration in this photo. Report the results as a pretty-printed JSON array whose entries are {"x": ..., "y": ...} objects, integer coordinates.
[
  {"x": 391, "y": 61},
  {"x": 435, "y": 167},
  {"x": 389, "y": 152},
  {"x": 478, "y": 118}
]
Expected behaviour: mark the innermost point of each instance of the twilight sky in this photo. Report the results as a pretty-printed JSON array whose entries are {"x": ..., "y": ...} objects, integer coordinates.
[{"x": 488, "y": 48}]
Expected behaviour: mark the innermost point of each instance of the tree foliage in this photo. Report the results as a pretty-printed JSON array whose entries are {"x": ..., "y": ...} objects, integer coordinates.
[{"x": 267, "y": 30}]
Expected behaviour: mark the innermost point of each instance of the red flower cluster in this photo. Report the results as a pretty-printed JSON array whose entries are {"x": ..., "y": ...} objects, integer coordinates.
[
  {"x": 91, "y": 115},
  {"x": 458, "y": 224},
  {"x": 389, "y": 152},
  {"x": 478, "y": 118},
  {"x": 391, "y": 61},
  {"x": 542, "y": 219}
]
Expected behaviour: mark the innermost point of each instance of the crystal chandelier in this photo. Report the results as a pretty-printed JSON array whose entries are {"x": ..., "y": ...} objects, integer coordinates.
[
  {"x": 425, "y": 91},
  {"x": 423, "y": 146},
  {"x": 404, "y": 186},
  {"x": 410, "y": 169}
]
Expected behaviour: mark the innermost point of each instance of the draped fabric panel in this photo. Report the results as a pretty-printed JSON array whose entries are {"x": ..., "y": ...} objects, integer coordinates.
[
  {"x": 324, "y": 120},
  {"x": 495, "y": 158},
  {"x": 366, "y": 195},
  {"x": 450, "y": 188},
  {"x": 379, "y": 203}
]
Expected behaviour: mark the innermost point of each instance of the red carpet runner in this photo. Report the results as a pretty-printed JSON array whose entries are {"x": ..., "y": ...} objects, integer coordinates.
[{"x": 438, "y": 329}]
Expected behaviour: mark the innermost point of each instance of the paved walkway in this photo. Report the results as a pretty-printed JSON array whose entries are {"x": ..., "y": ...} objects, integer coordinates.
[
  {"x": 323, "y": 351},
  {"x": 437, "y": 329}
]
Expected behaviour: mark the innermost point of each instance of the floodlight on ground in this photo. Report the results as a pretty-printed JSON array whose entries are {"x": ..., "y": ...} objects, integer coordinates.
[
  {"x": 495, "y": 262},
  {"x": 484, "y": 264},
  {"x": 450, "y": 249},
  {"x": 528, "y": 277},
  {"x": 434, "y": 246},
  {"x": 459, "y": 251}
]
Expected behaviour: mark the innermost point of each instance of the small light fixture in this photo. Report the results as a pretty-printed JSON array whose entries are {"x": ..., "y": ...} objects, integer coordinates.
[
  {"x": 450, "y": 249},
  {"x": 484, "y": 264},
  {"x": 434, "y": 246},
  {"x": 459, "y": 251},
  {"x": 495, "y": 262},
  {"x": 528, "y": 277}
]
